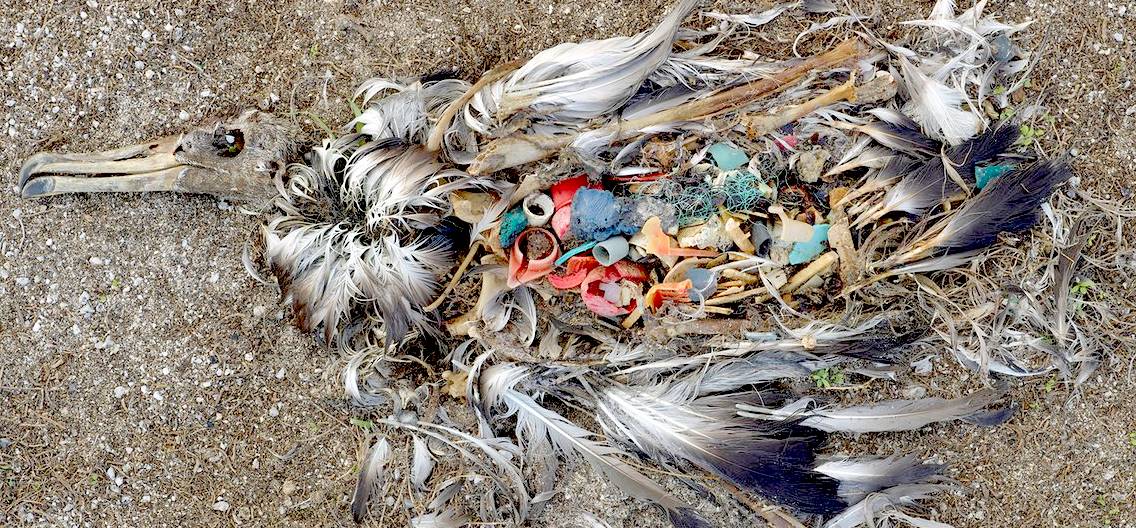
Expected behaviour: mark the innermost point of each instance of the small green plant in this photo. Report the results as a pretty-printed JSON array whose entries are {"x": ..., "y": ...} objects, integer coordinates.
[
  {"x": 365, "y": 425},
  {"x": 828, "y": 377},
  {"x": 115, "y": 283},
  {"x": 1051, "y": 384},
  {"x": 1029, "y": 134},
  {"x": 999, "y": 90},
  {"x": 1082, "y": 287},
  {"x": 1132, "y": 439}
]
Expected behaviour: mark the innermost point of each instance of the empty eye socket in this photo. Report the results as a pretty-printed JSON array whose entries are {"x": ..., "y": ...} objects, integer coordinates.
[{"x": 228, "y": 143}]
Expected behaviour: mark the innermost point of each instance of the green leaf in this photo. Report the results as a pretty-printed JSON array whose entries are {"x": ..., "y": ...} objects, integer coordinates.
[{"x": 365, "y": 425}]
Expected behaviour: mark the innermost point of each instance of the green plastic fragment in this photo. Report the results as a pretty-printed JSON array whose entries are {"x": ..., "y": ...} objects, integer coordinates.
[
  {"x": 805, "y": 251},
  {"x": 512, "y": 224},
  {"x": 728, "y": 157},
  {"x": 983, "y": 175}
]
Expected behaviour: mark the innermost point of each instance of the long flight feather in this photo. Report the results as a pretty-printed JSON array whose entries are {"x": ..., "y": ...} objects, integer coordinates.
[{"x": 891, "y": 415}]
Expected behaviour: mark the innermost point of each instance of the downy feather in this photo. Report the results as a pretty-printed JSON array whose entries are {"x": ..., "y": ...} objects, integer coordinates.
[
  {"x": 936, "y": 106},
  {"x": 421, "y": 465},
  {"x": 370, "y": 478}
]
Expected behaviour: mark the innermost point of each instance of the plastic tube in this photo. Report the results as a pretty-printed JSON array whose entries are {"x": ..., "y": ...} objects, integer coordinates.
[
  {"x": 538, "y": 209},
  {"x": 611, "y": 250}
]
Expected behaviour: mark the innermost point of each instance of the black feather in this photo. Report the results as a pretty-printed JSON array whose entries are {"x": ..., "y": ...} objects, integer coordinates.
[
  {"x": 901, "y": 138},
  {"x": 930, "y": 184},
  {"x": 1009, "y": 204},
  {"x": 687, "y": 518},
  {"x": 439, "y": 75},
  {"x": 992, "y": 417},
  {"x": 885, "y": 347},
  {"x": 451, "y": 233},
  {"x": 775, "y": 460}
]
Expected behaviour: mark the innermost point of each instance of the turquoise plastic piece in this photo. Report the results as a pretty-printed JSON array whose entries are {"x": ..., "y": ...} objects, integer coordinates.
[
  {"x": 983, "y": 175},
  {"x": 575, "y": 251},
  {"x": 512, "y": 224},
  {"x": 805, "y": 251},
  {"x": 728, "y": 157}
]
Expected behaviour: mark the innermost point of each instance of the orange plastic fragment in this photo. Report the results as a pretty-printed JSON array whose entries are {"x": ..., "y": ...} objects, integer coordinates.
[
  {"x": 662, "y": 245},
  {"x": 667, "y": 291}
]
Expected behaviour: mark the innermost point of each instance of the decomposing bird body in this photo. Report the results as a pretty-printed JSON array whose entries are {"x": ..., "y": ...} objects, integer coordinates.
[{"x": 564, "y": 224}]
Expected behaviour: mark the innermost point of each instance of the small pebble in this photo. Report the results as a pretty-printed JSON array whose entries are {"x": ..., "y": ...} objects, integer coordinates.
[
  {"x": 183, "y": 115},
  {"x": 221, "y": 506},
  {"x": 288, "y": 487},
  {"x": 120, "y": 391},
  {"x": 96, "y": 261}
]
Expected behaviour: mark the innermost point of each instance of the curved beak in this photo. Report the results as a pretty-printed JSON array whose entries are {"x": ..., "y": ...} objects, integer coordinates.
[{"x": 150, "y": 166}]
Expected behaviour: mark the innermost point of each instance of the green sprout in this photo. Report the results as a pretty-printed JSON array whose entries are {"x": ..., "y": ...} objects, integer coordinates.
[
  {"x": 1082, "y": 287},
  {"x": 1051, "y": 384},
  {"x": 1029, "y": 135},
  {"x": 828, "y": 377},
  {"x": 365, "y": 425}
]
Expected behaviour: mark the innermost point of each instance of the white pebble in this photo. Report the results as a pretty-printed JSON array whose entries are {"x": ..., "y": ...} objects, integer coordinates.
[
  {"x": 138, "y": 65},
  {"x": 1118, "y": 36},
  {"x": 120, "y": 391},
  {"x": 221, "y": 506},
  {"x": 183, "y": 115},
  {"x": 96, "y": 261}
]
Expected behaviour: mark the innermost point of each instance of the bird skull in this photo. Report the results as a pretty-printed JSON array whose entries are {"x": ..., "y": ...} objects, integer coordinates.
[{"x": 236, "y": 160}]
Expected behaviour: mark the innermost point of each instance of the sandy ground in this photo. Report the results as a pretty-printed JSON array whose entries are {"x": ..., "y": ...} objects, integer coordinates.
[{"x": 146, "y": 380}]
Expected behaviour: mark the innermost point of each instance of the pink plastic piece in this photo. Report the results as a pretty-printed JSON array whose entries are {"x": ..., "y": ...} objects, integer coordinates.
[
  {"x": 592, "y": 289},
  {"x": 562, "y": 221},
  {"x": 524, "y": 268},
  {"x": 578, "y": 268}
]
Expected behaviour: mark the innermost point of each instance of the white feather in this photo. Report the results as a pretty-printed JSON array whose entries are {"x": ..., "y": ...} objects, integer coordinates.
[
  {"x": 936, "y": 106},
  {"x": 421, "y": 465}
]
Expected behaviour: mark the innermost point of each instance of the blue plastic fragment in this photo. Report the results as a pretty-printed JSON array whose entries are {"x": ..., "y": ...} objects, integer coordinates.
[
  {"x": 595, "y": 215},
  {"x": 512, "y": 224},
  {"x": 575, "y": 251},
  {"x": 983, "y": 175},
  {"x": 805, "y": 251},
  {"x": 728, "y": 157}
]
